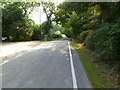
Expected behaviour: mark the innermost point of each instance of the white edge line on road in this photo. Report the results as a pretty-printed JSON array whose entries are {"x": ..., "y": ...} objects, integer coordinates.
[
  {"x": 4, "y": 62},
  {"x": 72, "y": 68}
]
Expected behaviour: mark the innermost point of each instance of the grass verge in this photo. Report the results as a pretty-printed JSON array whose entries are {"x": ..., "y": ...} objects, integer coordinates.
[
  {"x": 55, "y": 39},
  {"x": 89, "y": 66}
]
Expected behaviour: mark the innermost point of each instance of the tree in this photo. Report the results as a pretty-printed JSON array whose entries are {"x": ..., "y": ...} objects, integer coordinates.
[
  {"x": 48, "y": 8},
  {"x": 37, "y": 32},
  {"x": 74, "y": 16},
  {"x": 15, "y": 22}
]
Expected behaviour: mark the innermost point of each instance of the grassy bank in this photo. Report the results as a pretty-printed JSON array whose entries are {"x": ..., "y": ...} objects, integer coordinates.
[
  {"x": 56, "y": 38},
  {"x": 97, "y": 74}
]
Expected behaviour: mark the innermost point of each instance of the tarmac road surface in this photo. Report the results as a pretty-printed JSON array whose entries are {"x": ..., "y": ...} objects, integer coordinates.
[{"x": 46, "y": 66}]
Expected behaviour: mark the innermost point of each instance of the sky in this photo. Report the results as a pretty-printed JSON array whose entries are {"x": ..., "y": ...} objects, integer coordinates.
[{"x": 38, "y": 16}]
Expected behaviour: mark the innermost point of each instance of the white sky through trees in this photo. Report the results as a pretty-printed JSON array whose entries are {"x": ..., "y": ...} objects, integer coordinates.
[{"x": 38, "y": 16}]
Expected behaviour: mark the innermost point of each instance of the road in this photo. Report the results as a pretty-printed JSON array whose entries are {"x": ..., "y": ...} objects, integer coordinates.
[{"x": 45, "y": 66}]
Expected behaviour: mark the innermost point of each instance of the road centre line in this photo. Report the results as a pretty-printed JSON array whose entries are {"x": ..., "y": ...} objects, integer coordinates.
[{"x": 72, "y": 68}]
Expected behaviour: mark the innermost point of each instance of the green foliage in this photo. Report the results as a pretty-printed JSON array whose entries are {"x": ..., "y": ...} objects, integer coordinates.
[
  {"x": 105, "y": 42},
  {"x": 37, "y": 33},
  {"x": 56, "y": 32},
  {"x": 74, "y": 24},
  {"x": 67, "y": 32},
  {"x": 15, "y": 22},
  {"x": 89, "y": 44},
  {"x": 102, "y": 18},
  {"x": 55, "y": 29},
  {"x": 97, "y": 81},
  {"x": 84, "y": 35},
  {"x": 99, "y": 36},
  {"x": 45, "y": 28},
  {"x": 48, "y": 8},
  {"x": 74, "y": 16},
  {"x": 112, "y": 44},
  {"x": 97, "y": 25},
  {"x": 56, "y": 35}
]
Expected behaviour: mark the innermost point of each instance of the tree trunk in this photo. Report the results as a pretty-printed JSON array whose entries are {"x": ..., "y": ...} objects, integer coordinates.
[{"x": 104, "y": 11}]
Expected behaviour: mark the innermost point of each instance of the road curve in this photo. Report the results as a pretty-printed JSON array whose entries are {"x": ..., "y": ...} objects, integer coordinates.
[{"x": 45, "y": 66}]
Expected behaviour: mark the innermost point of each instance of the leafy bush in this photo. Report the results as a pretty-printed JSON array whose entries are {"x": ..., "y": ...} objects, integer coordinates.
[
  {"x": 82, "y": 37},
  {"x": 37, "y": 33},
  {"x": 89, "y": 42},
  {"x": 56, "y": 36},
  {"x": 105, "y": 42},
  {"x": 114, "y": 42},
  {"x": 16, "y": 24}
]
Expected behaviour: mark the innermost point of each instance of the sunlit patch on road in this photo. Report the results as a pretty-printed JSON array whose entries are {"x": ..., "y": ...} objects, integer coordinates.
[
  {"x": 18, "y": 49},
  {"x": 12, "y": 49}
]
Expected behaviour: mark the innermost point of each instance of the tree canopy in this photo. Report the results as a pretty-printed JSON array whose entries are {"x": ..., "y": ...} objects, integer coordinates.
[{"x": 96, "y": 24}]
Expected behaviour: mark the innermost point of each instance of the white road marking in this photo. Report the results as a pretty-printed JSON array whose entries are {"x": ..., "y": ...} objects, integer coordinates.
[
  {"x": 4, "y": 62},
  {"x": 72, "y": 68},
  {"x": 19, "y": 55}
]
